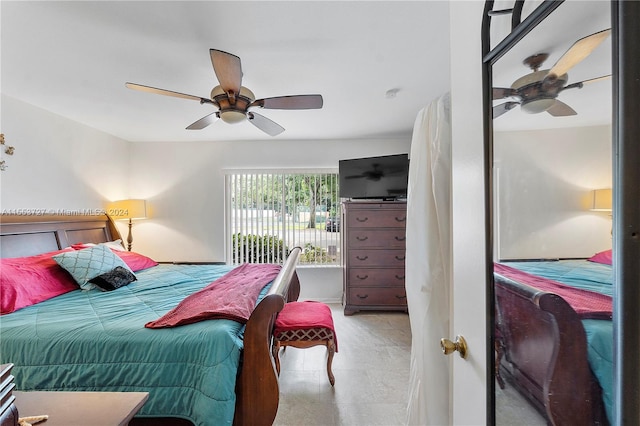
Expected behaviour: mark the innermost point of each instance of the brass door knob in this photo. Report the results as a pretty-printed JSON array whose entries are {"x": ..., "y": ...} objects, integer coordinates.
[{"x": 459, "y": 345}]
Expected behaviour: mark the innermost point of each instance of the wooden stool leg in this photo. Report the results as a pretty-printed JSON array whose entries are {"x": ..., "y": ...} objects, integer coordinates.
[
  {"x": 331, "y": 349},
  {"x": 275, "y": 349}
]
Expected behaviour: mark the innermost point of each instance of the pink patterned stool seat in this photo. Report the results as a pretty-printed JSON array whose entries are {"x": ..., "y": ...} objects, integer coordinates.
[{"x": 303, "y": 325}]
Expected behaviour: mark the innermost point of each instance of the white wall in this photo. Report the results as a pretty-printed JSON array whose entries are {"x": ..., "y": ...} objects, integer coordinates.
[
  {"x": 544, "y": 182},
  {"x": 58, "y": 163},
  {"x": 183, "y": 184}
]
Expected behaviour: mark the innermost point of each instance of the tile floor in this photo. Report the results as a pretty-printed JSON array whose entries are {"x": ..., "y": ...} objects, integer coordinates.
[
  {"x": 372, "y": 376},
  {"x": 371, "y": 370}
]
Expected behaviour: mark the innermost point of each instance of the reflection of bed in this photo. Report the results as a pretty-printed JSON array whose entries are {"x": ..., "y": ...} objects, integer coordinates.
[
  {"x": 557, "y": 355},
  {"x": 93, "y": 340}
]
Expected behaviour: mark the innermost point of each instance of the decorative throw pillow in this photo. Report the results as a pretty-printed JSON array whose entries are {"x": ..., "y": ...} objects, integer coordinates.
[
  {"x": 88, "y": 263},
  {"x": 114, "y": 279}
]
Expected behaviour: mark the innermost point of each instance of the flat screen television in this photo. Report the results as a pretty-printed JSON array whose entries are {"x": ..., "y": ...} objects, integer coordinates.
[{"x": 384, "y": 177}]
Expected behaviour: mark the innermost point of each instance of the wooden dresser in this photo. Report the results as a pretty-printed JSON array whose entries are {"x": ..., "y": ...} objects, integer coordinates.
[{"x": 373, "y": 247}]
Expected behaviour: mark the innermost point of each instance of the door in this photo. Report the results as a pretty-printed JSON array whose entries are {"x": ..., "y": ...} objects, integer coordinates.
[
  {"x": 626, "y": 218},
  {"x": 470, "y": 379},
  {"x": 469, "y": 398}
]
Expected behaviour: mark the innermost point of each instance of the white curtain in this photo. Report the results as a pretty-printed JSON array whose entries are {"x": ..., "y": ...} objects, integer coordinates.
[{"x": 428, "y": 264}]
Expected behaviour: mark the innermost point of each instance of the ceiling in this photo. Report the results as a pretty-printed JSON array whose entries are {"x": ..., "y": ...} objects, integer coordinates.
[{"x": 73, "y": 58}]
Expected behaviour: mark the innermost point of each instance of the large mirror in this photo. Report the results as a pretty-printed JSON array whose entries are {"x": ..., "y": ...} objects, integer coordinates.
[{"x": 552, "y": 229}]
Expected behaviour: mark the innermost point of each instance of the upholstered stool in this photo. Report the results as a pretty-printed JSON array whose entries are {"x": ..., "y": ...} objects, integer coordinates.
[{"x": 303, "y": 325}]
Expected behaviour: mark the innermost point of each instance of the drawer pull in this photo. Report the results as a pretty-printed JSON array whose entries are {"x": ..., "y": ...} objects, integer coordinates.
[
  {"x": 400, "y": 238},
  {"x": 399, "y": 277},
  {"x": 359, "y": 296},
  {"x": 400, "y": 257},
  {"x": 399, "y": 296},
  {"x": 362, "y": 238},
  {"x": 362, "y": 220},
  {"x": 401, "y": 219},
  {"x": 363, "y": 258},
  {"x": 362, "y": 278}
]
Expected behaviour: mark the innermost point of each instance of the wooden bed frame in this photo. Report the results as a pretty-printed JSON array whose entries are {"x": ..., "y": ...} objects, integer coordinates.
[
  {"x": 257, "y": 389},
  {"x": 541, "y": 350}
]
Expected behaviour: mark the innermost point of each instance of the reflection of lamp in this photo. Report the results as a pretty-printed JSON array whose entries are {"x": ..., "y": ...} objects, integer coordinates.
[
  {"x": 602, "y": 200},
  {"x": 128, "y": 209}
]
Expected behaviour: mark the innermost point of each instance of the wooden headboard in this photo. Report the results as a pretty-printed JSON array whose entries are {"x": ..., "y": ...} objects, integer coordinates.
[{"x": 29, "y": 235}]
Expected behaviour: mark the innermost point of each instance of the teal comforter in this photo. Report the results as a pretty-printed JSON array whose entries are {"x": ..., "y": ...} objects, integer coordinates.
[
  {"x": 594, "y": 277},
  {"x": 96, "y": 341}
]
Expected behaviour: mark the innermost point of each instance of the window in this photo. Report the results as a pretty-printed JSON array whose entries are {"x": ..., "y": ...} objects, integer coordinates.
[{"x": 270, "y": 212}]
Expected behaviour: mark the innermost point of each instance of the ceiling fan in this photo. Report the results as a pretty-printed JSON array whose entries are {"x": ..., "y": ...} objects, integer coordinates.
[
  {"x": 537, "y": 91},
  {"x": 234, "y": 100}
]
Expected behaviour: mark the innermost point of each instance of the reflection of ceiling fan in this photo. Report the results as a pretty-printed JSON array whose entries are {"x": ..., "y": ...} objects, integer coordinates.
[
  {"x": 537, "y": 91},
  {"x": 376, "y": 173},
  {"x": 233, "y": 100}
]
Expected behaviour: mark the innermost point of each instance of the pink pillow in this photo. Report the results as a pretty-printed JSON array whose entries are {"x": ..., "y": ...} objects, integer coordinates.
[
  {"x": 605, "y": 257},
  {"x": 25, "y": 281},
  {"x": 135, "y": 261}
]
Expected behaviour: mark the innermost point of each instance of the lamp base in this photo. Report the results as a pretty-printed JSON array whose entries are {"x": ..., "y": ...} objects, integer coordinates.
[{"x": 129, "y": 237}]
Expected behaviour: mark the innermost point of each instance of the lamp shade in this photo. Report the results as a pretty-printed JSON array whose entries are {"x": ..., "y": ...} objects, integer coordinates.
[
  {"x": 128, "y": 209},
  {"x": 602, "y": 200}
]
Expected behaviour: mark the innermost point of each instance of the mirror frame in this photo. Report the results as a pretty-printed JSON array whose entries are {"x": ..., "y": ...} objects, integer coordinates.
[{"x": 626, "y": 183}]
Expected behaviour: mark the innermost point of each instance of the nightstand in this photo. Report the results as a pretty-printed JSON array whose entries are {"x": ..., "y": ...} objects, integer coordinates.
[{"x": 81, "y": 408}]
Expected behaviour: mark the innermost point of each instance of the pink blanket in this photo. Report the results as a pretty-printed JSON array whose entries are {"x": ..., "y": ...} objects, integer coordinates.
[
  {"x": 232, "y": 296},
  {"x": 587, "y": 304}
]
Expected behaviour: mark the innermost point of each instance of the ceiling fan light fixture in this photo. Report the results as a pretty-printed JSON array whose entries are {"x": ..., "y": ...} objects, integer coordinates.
[
  {"x": 538, "y": 105},
  {"x": 232, "y": 111},
  {"x": 232, "y": 116},
  {"x": 531, "y": 78}
]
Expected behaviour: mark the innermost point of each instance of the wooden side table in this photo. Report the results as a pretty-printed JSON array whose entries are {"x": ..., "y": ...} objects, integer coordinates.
[{"x": 75, "y": 408}]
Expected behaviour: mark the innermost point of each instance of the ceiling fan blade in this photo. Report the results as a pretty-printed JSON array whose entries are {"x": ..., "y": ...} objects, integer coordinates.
[
  {"x": 498, "y": 110},
  {"x": 579, "y": 84},
  {"x": 204, "y": 121},
  {"x": 560, "y": 109},
  {"x": 577, "y": 52},
  {"x": 263, "y": 123},
  {"x": 290, "y": 102},
  {"x": 157, "y": 91},
  {"x": 503, "y": 92},
  {"x": 228, "y": 70},
  {"x": 596, "y": 79}
]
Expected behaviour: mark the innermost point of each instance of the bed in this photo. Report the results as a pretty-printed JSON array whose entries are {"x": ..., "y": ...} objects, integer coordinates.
[
  {"x": 97, "y": 340},
  {"x": 554, "y": 336}
]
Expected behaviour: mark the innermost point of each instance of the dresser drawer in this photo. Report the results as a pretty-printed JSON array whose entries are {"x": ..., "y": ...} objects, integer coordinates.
[
  {"x": 360, "y": 277},
  {"x": 392, "y": 296},
  {"x": 377, "y": 218},
  {"x": 359, "y": 258},
  {"x": 388, "y": 238}
]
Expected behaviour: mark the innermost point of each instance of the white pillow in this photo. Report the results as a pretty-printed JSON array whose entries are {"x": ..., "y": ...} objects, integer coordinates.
[{"x": 116, "y": 245}]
